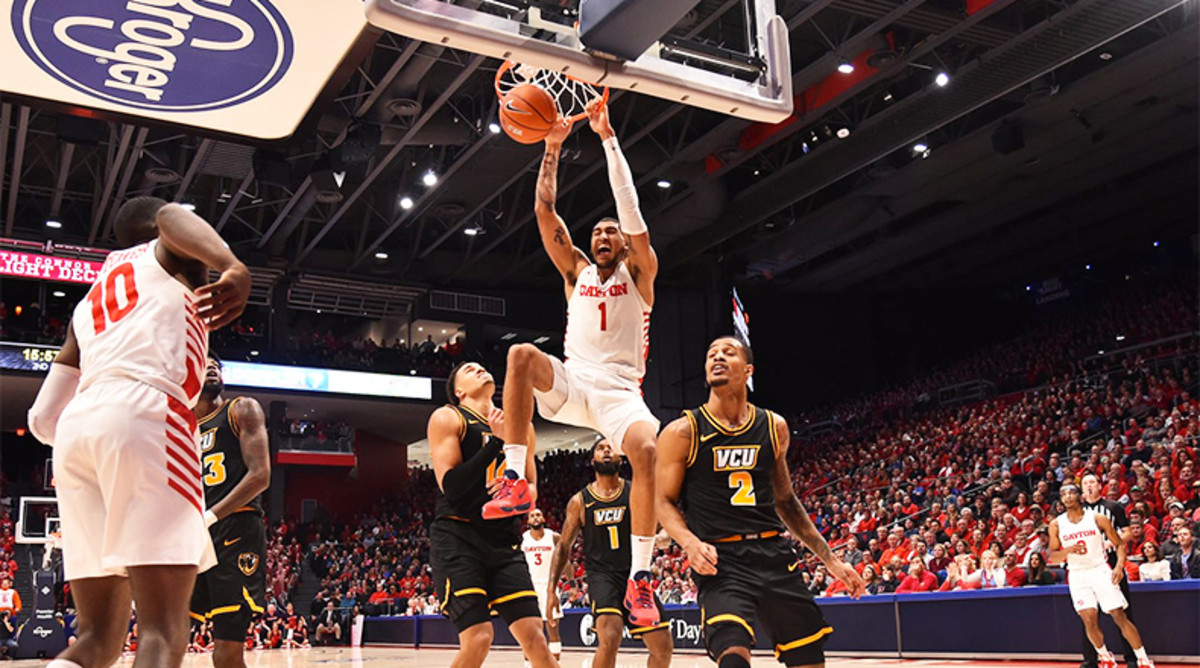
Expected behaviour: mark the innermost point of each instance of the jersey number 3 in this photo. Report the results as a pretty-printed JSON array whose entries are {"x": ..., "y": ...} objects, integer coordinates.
[
  {"x": 743, "y": 484},
  {"x": 214, "y": 469},
  {"x": 106, "y": 306}
]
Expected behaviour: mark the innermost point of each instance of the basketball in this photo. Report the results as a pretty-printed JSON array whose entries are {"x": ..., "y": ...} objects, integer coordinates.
[{"x": 527, "y": 113}]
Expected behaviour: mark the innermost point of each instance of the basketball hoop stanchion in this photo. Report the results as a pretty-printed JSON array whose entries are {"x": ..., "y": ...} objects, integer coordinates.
[
  {"x": 571, "y": 95},
  {"x": 42, "y": 635}
]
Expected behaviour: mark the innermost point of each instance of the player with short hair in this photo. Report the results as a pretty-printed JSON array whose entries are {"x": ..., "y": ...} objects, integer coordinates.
[
  {"x": 600, "y": 511},
  {"x": 477, "y": 563},
  {"x": 236, "y": 465},
  {"x": 538, "y": 544},
  {"x": 1077, "y": 537},
  {"x": 607, "y": 340},
  {"x": 727, "y": 463},
  {"x": 1092, "y": 499},
  {"x": 116, "y": 405}
]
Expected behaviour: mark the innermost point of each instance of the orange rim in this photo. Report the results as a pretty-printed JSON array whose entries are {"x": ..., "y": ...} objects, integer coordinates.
[{"x": 564, "y": 88}]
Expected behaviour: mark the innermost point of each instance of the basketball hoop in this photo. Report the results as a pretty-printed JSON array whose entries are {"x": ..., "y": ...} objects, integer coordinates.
[{"x": 571, "y": 95}]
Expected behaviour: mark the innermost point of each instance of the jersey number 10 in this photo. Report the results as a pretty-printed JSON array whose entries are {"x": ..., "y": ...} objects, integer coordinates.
[{"x": 103, "y": 297}]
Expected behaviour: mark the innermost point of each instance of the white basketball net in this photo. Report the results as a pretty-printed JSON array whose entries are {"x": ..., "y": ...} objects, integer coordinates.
[{"x": 571, "y": 95}]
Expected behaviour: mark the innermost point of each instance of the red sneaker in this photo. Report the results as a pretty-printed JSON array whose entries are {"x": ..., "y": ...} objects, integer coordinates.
[
  {"x": 1108, "y": 662},
  {"x": 513, "y": 498},
  {"x": 1145, "y": 664},
  {"x": 639, "y": 600}
]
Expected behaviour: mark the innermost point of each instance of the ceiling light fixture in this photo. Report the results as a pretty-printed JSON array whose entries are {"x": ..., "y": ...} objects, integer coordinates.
[
  {"x": 54, "y": 224},
  {"x": 843, "y": 132},
  {"x": 59, "y": 293},
  {"x": 846, "y": 67},
  {"x": 920, "y": 147},
  {"x": 941, "y": 79},
  {"x": 664, "y": 184},
  {"x": 187, "y": 206},
  {"x": 381, "y": 255},
  {"x": 494, "y": 128},
  {"x": 430, "y": 178},
  {"x": 406, "y": 203}
]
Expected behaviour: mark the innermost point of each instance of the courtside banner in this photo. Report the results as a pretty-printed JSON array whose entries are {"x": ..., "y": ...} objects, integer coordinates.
[
  {"x": 47, "y": 267},
  {"x": 244, "y": 67}
]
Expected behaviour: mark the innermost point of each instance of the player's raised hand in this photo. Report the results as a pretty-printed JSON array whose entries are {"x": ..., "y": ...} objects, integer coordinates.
[
  {"x": 559, "y": 131},
  {"x": 222, "y": 301},
  {"x": 597, "y": 112},
  {"x": 702, "y": 556},
  {"x": 849, "y": 577},
  {"x": 498, "y": 425}
]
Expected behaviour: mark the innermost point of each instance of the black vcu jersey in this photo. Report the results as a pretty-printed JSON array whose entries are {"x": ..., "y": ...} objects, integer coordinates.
[
  {"x": 727, "y": 490},
  {"x": 606, "y": 531},
  {"x": 231, "y": 592},
  {"x": 607, "y": 554},
  {"x": 221, "y": 455},
  {"x": 729, "y": 501},
  {"x": 478, "y": 565}
]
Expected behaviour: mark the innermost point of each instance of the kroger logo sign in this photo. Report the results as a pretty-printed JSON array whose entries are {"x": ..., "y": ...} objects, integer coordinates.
[{"x": 163, "y": 55}]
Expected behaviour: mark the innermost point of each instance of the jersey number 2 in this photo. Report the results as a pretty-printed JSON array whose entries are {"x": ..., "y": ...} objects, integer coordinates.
[
  {"x": 103, "y": 297},
  {"x": 744, "y": 486}
]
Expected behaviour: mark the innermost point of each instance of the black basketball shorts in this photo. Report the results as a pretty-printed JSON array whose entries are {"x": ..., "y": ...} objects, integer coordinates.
[
  {"x": 475, "y": 573},
  {"x": 756, "y": 581},
  {"x": 231, "y": 592}
]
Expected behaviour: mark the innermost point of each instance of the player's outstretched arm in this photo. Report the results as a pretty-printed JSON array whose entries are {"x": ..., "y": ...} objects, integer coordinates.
[
  {"x": 643, "y": 262},
  {"x": 562, "y": 550},
  {"x": 796, "y": 518},
  {"x": 250, "y": 426},
  {"x": 556, "y": 237},
  {"x": 186, "y": 238},
  {"x": 671, "y": 455}
]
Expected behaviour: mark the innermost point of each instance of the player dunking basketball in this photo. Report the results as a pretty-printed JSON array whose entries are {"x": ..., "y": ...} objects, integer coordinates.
[
  {"x": 608, "y": 320},
  {"x": 477, "y": 563},
  {"x": 117, "y": 407},
  {"x": 727, "y": 462},
  {"x": 1077, "y": 537},
  {"x": 236, "y": 465}
]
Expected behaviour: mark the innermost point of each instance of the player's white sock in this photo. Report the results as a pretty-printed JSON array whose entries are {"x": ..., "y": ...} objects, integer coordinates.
[
  {"x": 555, "y": 647},
  {"x": 514, "y": 458},
  {"x": 642, "y": 548},
  {"x": 1103, "y": 653},
  {"x": 63, "y": 663},
  {"x": 1141, "y": 653}
]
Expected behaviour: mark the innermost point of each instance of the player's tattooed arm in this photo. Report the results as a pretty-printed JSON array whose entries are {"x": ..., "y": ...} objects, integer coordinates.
[
  {"x": 556, "y": 238},
  {"x": 562, "y": 549},
  {"x": 251, "y": 423},
  {"x": 796, "y": 518}
]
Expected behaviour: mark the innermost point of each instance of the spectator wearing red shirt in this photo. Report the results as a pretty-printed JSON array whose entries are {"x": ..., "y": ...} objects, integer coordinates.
[
  {"x": 1014, "y": 574},
  {"x": 919, "y": 579}
]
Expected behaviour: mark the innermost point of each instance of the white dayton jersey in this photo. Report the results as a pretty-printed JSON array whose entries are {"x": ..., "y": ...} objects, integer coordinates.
[
  {"x": 537, "y": 555},
  {"x": 1087, "y": 532},
  {"x": 139, "y": 323},
  {"x": 608, "y": 324}
]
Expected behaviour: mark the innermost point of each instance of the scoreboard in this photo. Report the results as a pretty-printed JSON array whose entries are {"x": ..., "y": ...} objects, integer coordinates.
[{"x": 27, "y": 356}]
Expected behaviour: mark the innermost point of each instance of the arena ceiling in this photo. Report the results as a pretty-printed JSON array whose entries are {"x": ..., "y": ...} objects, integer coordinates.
[{"x": 1103, "y": 93}]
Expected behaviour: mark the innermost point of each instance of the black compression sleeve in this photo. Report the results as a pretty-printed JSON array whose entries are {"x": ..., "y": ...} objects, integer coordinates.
[{"x": 461, "y": 482}]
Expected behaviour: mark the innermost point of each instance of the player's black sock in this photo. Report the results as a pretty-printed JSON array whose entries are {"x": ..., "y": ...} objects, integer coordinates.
[{"x": 733, "y": 660}]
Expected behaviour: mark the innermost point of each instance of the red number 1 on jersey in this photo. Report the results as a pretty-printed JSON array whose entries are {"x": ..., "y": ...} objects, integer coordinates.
[
  {"x": 603, "y": 316},
  {"x": 103, "y": 296}
]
